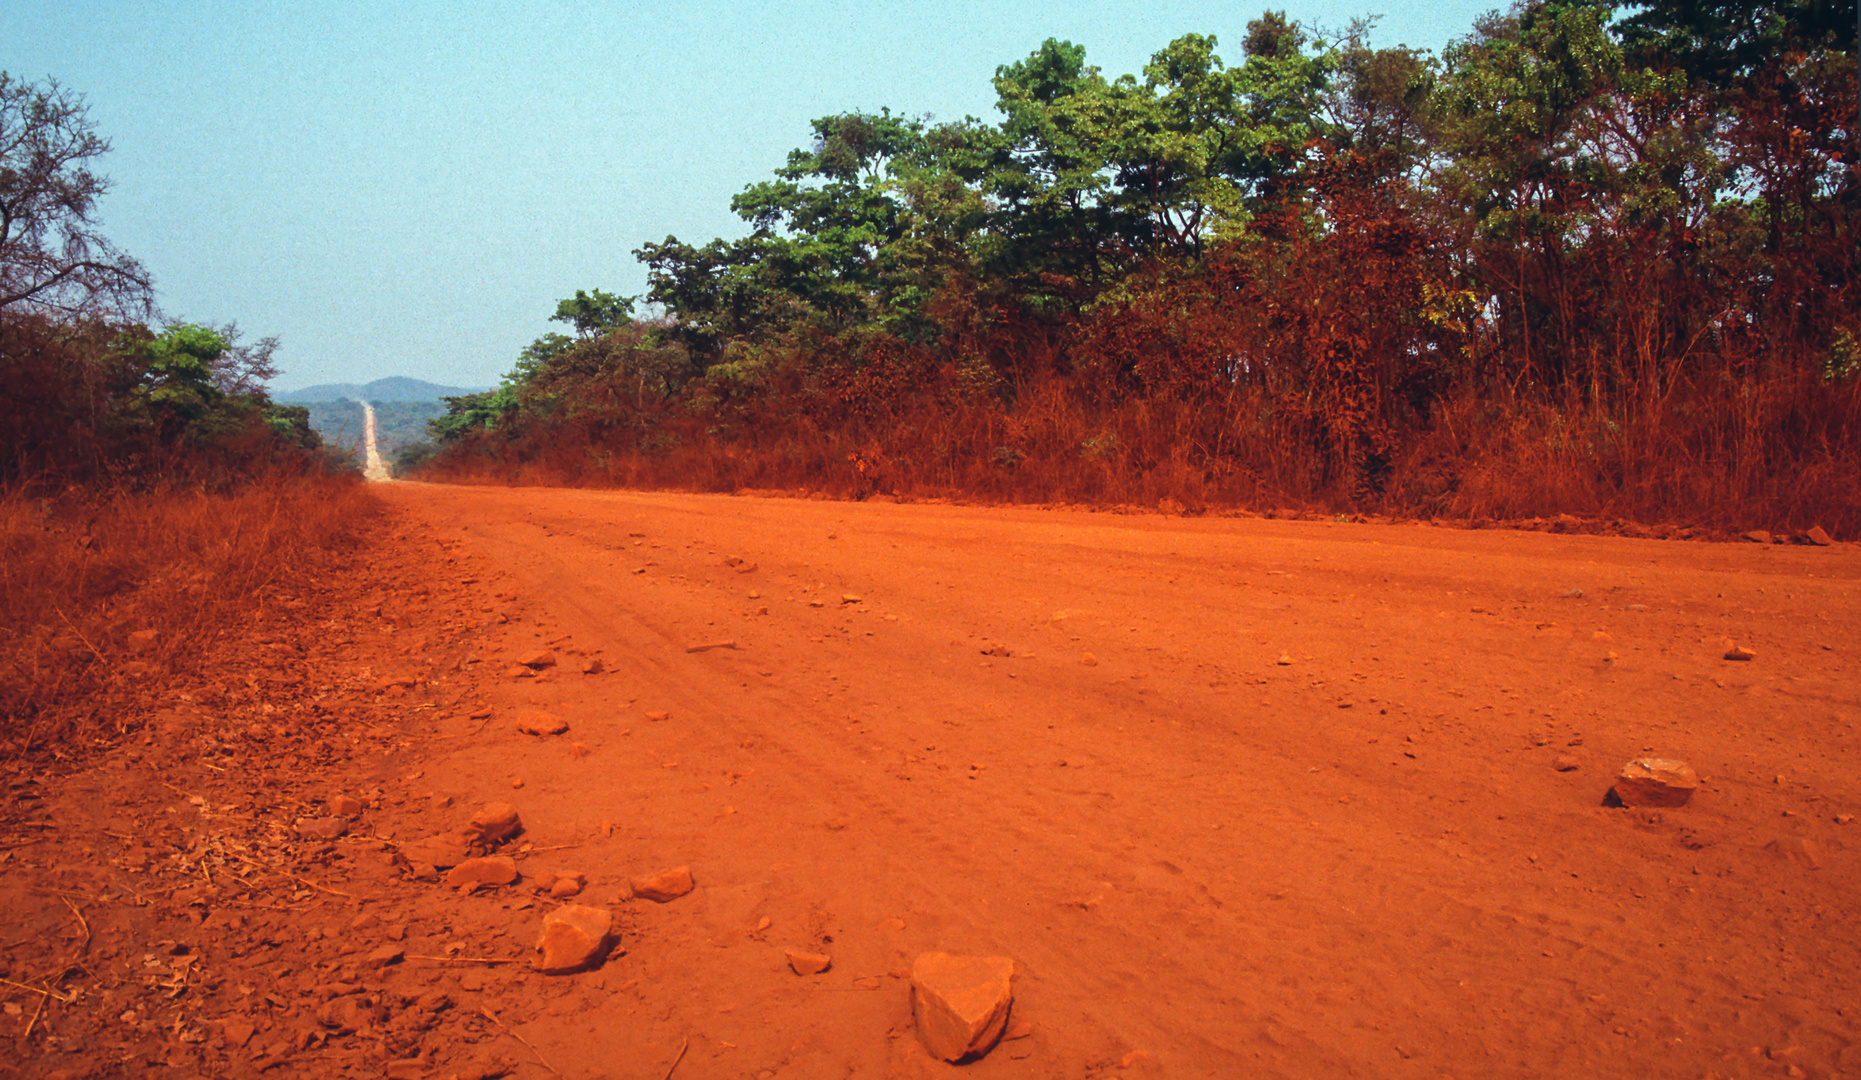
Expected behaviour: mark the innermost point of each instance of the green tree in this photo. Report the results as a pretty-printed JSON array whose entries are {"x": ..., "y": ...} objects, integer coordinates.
[
  {"x": 470, "y": 413},
  {"x": 633, "y": 365},
  {"x": 594, "y": 314},
  {"x": 292, "y": 424},
  {"x": 1729, "y": 44},
  {"x": 1051, "y": 188},
  {"x": 715, "y": 292},
  {"x": 1515, "y": 96},
  {"x": 824, "y": 225},
  {"x": 1105, "y": 171},
  {"x": 1382, "y": 104},
  {"x": 1777, "y": 79},
  {"x": 831, "y": 238},
  {"x": 537, "y": 355},
  {"x": 180, "y": 365}
]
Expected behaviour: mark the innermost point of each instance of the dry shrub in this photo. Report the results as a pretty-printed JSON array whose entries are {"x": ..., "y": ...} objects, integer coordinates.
[
  {"x": 1777, "y": 454},
  {"x": 1048, "y": 444},
  {"x": 81, "y": 572}
]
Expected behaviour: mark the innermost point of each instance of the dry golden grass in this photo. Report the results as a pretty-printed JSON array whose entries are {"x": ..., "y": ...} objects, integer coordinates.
[
  {"x": 1784, "y": 459},
  {"x": 83, "y": 572}
]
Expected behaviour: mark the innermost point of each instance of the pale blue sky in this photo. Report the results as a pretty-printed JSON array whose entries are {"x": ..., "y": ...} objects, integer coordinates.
[{"x": 407, "y": 189}]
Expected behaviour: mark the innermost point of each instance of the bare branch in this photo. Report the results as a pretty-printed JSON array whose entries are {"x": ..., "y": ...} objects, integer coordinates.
[{"x": 52, "y": 258}]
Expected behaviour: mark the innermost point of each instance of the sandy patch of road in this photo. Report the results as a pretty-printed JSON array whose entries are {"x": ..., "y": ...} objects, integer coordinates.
[{"x": 373, "y": 467}]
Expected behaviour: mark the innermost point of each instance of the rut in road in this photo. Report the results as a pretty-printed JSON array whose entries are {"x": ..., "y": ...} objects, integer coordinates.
[{"x": 1205, "y": 861}]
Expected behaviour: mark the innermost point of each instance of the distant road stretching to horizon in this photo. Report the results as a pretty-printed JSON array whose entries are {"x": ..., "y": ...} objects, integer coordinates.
[{"x": 374, "y": 468}]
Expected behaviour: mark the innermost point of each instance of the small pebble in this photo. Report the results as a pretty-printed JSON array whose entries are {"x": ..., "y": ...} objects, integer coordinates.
[{"x": 808, "y": 963}]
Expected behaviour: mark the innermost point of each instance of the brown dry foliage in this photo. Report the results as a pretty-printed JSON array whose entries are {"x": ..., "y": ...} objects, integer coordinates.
[
  {"x": 1478, "y": 461},
  {"x": 82, "y": 571}
]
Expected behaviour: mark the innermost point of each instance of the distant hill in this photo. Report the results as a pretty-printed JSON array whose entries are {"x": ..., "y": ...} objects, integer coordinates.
[{"x": 394, "y": 388}]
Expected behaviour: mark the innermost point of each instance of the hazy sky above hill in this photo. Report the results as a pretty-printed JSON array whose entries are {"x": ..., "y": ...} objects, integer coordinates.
[{"x": 408, "y": 189}]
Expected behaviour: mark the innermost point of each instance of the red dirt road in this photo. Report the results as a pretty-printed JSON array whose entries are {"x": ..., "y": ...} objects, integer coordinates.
[{"x": 1204, "y": 862}]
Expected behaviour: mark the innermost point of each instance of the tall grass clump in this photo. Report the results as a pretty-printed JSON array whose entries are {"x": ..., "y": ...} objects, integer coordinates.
[{"x": 105, "y": 592}]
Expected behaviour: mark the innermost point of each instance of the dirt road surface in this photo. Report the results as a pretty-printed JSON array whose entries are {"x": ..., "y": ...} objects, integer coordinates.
[
  {"x": 372, "y": 466},
  {"x": 1239, "y": 797}
]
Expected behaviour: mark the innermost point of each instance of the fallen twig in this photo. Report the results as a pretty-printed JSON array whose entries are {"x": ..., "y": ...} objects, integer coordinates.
[
  {"x": 83, "y": 922},
  {"x": 131, "y": 890},
  {"x": 39, "y": 990},
  {"x": 27, "y": 1034},
  {"x": 684, "y": 1046},
  {"x": 540, "y": 1060},
  {"x": 81, "y": 637},
  {"x": 235, "y": 902},
  {"x": 293, "y": 877}
]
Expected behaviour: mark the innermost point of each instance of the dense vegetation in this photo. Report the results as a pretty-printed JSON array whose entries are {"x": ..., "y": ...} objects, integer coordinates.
[
  {"x": 92, "y": 386},
  {"x": 1591, "y": 259},
  {"x": 151, "y": 494}
]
